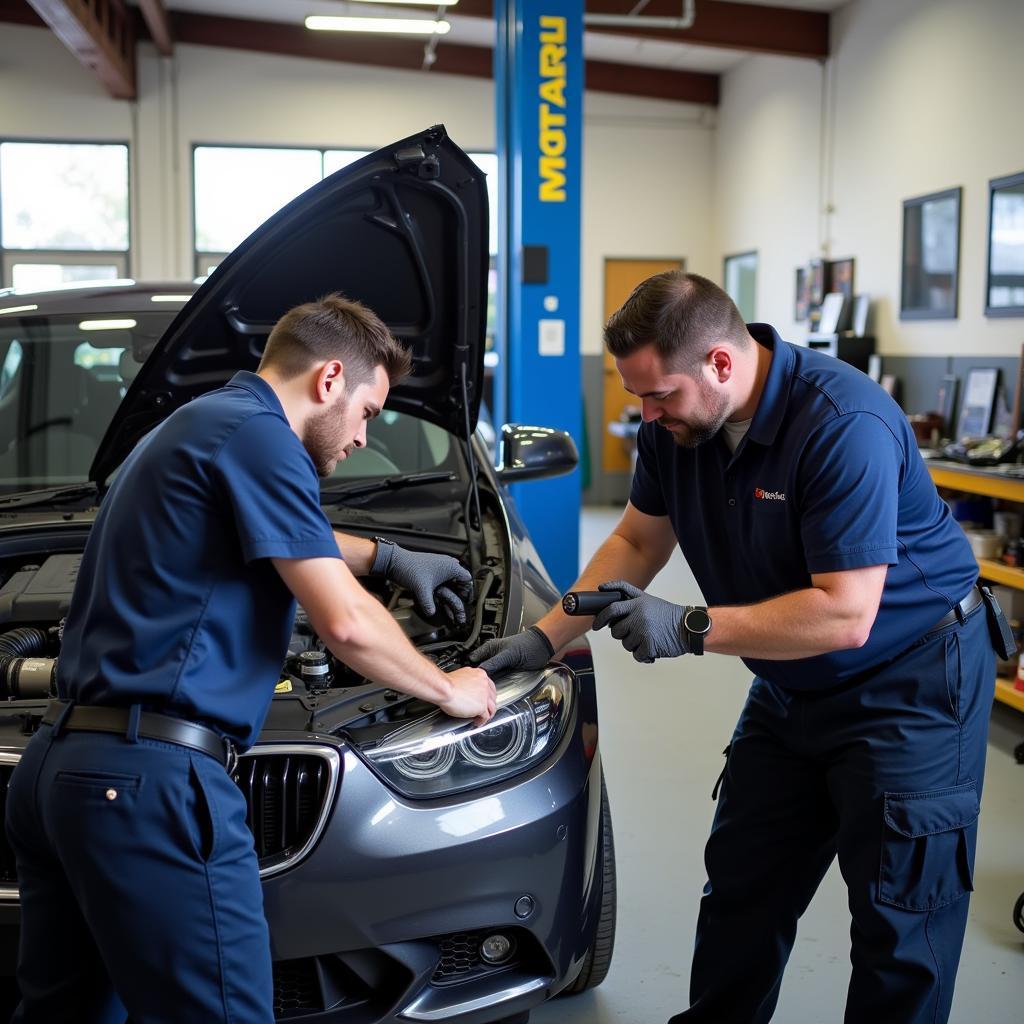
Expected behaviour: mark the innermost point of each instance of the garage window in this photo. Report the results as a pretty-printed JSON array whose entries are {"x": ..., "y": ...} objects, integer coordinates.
[
  {"x": 236, "y": 188},
  {"x": 64, "y": 213}
]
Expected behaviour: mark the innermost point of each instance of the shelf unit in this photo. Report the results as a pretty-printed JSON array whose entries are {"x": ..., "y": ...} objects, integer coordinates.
[{"x": 992, "y": 485}]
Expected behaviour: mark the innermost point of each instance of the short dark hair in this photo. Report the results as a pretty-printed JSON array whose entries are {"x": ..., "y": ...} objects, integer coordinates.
[
  {"x": 683, "y": 315},
  {"x": 335, "y": 328}
]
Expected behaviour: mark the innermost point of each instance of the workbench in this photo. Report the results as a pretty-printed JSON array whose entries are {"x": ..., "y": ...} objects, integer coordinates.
[{"x": 998, "y": 482}]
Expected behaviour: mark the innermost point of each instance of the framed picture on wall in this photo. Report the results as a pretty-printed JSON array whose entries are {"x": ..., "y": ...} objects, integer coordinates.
[
  {"x": 802, "y": 295},
  {"x": 1004, "y": 282},
  {"x": 931, "y": 256},
  {"x": 840, "y": 277}
]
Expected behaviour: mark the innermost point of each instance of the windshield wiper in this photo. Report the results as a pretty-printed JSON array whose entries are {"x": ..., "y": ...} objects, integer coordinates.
[
  {"x": 48, "y": 496},
  {"x": 388, "y": 483}
]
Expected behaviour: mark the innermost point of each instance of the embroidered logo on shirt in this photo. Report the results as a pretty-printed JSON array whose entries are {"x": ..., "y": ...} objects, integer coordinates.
[{"x": 768, "y": 495}]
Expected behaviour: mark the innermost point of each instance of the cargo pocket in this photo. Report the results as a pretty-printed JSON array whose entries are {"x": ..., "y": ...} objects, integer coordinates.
[{"x": 928, "y": 847}]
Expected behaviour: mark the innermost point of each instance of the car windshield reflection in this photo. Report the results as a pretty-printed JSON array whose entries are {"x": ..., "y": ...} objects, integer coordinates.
[{"x": 63, "y": 377}]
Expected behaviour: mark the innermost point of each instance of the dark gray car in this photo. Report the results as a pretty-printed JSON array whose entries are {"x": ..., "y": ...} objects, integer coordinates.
[{"x": 412, "y": 872}]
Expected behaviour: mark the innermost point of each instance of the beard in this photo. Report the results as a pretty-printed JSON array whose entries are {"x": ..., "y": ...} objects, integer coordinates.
[
  {"x": 324, "y": 438},
  {"x": 696, "y": 432}
]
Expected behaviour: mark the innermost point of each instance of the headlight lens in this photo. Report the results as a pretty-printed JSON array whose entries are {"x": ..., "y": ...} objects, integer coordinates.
[{"x": 437, "y": 755}]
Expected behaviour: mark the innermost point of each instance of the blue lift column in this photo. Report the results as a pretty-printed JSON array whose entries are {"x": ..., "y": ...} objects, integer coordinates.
[{"x": 538, "y": 70}]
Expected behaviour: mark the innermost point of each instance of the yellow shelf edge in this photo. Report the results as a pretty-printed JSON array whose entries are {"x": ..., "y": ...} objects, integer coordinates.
[
  {"x": 1008, "y": 575},
  {"x": 1006, "y": 693}
]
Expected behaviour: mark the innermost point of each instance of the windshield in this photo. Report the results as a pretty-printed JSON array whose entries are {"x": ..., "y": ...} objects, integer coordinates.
[{"x": 63, "y": 377}]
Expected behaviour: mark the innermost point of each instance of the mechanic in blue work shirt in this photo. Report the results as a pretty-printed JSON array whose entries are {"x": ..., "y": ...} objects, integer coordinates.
[
  {"x": 794, "y": 487},
  {"x": 139, "y": 881}
]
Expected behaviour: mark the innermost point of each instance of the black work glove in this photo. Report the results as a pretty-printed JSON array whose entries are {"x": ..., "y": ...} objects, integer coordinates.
[
  {"x": 433, "y": 580},
  {"x": 530, "y": 649},
  {"x": 648, "y": 626}
]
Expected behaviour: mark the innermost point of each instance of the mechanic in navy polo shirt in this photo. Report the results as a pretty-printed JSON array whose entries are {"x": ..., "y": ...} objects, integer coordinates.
[
  {"x": 140, "y": 888},
  {"x": 794, "y": 487}
]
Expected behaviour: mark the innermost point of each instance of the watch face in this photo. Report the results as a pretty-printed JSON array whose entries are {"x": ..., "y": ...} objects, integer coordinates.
[{"x": 697, "y": 620}]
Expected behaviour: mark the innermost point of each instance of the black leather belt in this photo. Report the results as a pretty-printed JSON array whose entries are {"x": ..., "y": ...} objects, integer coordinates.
[
  {"x": 152, "y": 725},
  {"x": 961, "y": 611}
]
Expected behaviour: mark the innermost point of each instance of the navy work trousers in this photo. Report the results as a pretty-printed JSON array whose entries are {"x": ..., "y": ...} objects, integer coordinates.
[
  {"x": 140, "y": 887},
  {"x": 887, "y": 773}
]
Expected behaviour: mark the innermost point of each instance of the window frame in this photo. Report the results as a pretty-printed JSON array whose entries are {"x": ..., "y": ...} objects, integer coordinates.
[
  {"x": 202, "y": 260},
  {"x": 123, "y": 259}
]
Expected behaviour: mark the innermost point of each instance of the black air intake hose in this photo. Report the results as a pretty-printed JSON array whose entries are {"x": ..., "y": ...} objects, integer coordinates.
[
  {"x": 24, "y": 672},
  {"x": 24, "y": 642}
]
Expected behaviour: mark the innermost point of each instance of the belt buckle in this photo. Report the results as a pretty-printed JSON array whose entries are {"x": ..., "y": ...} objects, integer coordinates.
[{"x": 230, "y": 756}]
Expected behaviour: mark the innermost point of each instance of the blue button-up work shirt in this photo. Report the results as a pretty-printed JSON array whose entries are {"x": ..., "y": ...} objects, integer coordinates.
[
  {"x": 177, "y": 606},
  {"x": 828, "y": 477}
]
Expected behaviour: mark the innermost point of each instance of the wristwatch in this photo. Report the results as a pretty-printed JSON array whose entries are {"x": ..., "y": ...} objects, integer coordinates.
[{"x": 696, "y": 625}]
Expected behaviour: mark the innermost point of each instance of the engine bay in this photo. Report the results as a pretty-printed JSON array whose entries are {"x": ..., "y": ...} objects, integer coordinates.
[{"x": 35, "y": 594}]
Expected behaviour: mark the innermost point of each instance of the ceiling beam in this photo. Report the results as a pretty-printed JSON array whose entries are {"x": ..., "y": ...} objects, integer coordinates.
[
  {"x": 101, "y": 34},
  {"x": 475, "y": 61},
  {"x": 452, "y": 58},
  {"x": 155, "y": 15},
  {"x": 752, "y": 28}
]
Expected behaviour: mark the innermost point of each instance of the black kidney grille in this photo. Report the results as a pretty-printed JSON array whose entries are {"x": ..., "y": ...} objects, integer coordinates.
[
  {"x": 296, "y": 988},
  {"x": 8, "y": 871},
  {"x": 285, "y": 794}
]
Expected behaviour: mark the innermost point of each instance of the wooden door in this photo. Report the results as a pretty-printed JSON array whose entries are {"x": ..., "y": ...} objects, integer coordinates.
[{"x": 621, "y": 276}]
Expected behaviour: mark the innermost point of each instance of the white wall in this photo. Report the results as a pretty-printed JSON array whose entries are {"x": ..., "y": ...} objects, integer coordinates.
[
  {"x": 647, "y": 164},
  {"x": 919, "y": 96},
  {"x": 647, "y": 174}
]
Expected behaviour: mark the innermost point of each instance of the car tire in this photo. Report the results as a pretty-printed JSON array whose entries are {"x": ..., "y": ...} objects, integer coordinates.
[
  {"x": 599, "y": 957},
  {"x": 1018, "y": 912}
]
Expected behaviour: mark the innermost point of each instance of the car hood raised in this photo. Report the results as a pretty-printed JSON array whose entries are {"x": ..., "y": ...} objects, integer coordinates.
[{"x": 404, "y": 230}]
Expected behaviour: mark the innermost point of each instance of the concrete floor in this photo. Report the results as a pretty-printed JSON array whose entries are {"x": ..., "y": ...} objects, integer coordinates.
[{"x": 663, "y": 729}]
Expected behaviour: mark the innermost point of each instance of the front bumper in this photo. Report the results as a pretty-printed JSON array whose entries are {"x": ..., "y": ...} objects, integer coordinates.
[{"x": 372, "y": 915}]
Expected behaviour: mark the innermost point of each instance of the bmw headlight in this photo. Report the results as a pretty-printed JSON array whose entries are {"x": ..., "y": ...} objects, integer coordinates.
[{"x": 437, "y": 755}]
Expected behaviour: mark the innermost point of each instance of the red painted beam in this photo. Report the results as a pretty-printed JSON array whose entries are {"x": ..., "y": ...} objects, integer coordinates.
[{"x": 100, "y": 34}]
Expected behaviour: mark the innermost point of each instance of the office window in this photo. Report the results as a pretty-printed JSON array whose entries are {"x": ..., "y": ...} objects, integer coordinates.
[
  {"x": 64, "y": 212},
  {"x": 237, "y": 188}
]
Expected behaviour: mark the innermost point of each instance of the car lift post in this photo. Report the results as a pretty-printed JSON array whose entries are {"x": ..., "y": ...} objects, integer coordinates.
[{"x": 538, "y": 71}]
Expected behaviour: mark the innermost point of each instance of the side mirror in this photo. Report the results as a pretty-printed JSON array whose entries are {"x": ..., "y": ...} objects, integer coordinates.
[{"x": 534, "y": 453}]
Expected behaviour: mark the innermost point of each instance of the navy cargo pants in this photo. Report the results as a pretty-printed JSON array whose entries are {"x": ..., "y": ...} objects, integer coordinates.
[
  {"x": 885, "y": 772},
  {"x": 139, "y": 885}
]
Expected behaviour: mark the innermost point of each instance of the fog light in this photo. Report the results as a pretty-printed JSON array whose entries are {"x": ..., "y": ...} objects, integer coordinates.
[{"x": 496, "y": 949}]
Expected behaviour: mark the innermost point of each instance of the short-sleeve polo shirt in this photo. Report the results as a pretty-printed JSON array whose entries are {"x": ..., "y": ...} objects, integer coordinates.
[
  {"x": 177, "y": 606},
  {"x": 827, "y": 478}
]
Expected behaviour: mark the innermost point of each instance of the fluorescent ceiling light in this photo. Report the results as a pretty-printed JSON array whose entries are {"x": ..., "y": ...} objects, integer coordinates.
[
  {"x": 169, "y": 298},
  {"x": 402, "y": 26},
  {"x": 106, "y": 325},
  {"x": 18, "y": 309}
]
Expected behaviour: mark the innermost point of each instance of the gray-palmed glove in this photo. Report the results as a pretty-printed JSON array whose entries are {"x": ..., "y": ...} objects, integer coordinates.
[
  {"x": 530, "y": 649},
  {"x": 438, "y": 583},
  {"x": 648, "y": 626}
]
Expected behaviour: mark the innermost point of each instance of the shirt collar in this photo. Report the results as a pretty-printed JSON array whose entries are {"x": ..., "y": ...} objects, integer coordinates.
[
  {"x": 260, "y": 389},
  {"x": 771, "y": 407}
]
